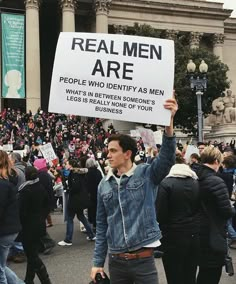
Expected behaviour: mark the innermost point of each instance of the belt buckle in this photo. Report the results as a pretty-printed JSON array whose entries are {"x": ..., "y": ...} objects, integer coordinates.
[{"x": 126, "y": 256}]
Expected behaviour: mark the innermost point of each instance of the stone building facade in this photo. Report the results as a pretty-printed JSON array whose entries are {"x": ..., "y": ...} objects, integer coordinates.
[{"x": 207, "y": 23}]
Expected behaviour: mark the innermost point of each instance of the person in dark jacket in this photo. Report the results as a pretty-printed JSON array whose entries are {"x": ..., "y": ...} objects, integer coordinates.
[
  {"x": 177, "y": 207},
  {"x": 9, "y": 212},
  {"x": 228, "y": 174},
  {"x": 194, "y": 162},
  {"x": 47, "y": 244},
  {"x": 93, "y": 179},
  {"x": 16, "y": 253},
  {"x": 19, "y": 167},
  {"x": 78, "y": 197},
  {"x": 46, "y": 180},
  {"x": 215, "y": 211},
  {"x": 34, "y": 206}
]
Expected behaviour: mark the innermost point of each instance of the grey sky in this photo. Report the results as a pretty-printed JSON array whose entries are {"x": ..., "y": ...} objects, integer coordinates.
[{"x": 228, "y": 4}]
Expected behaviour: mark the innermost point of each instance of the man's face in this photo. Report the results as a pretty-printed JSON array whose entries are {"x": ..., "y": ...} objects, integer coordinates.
[
  {"x": 201, "y": 148},
  {"x": 67, "y": 166},
  {"x": 193, "y": 160},
  {"x": 117, "y": 158}
]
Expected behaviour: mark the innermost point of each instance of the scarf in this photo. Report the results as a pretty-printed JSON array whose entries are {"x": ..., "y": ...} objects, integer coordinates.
[{"x": 182, "y": 171}]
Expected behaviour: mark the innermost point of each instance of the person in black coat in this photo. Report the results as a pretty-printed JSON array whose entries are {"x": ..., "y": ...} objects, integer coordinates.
[
  {"x": 9, "y": 212},
  {"x": 215, "y": 211},
  {"x": 93, "y": 178},
  {"x": 228, "y": 174},
  {"x": 34, "y": 207},
  {"x": 177, "y": 207},
  {"x": 78, "y": 200},
  {"x": 45, "y": 179}
]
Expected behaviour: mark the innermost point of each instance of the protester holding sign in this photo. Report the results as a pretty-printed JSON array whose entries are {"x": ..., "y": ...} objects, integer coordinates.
[{"x": 125, "y": 195}]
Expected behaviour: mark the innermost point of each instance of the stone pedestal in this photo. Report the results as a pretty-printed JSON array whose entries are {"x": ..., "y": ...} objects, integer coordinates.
[{"x": 222, "y": 133}]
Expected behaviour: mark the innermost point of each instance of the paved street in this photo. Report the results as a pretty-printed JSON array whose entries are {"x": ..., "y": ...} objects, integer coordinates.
[{"x": 71, "y": 265}]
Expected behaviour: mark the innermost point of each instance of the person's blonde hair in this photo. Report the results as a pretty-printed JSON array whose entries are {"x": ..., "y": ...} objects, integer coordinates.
[
  {"x": 210, "y": 154},
  {"x": 6, "y": 168}
]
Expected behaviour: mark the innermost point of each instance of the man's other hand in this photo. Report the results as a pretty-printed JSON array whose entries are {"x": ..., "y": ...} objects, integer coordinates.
[{"x": 96, "y": 270}]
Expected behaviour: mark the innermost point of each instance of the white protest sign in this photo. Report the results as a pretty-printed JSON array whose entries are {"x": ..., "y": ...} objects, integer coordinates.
[
  {"x": 48, "y": 152},
  {"x": 7, "y": 147},
  {"x": 189, "y": 151},
  {"x": 21, "y": 152},
  {"x": 113, "y": 76},
  {"x": 158, "y": 137},
  {"x": 134, "y": 133},
  {"x": 147, "y": 137}
]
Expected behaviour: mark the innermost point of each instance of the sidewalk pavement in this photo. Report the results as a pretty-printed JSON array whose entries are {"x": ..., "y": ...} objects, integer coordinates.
[{"x": 71, "y": 265}]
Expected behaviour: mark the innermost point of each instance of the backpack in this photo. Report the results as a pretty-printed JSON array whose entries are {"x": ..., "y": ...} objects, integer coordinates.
[
  {"x": 75, "y": 182},
  {"x": 80, "y": 198}
]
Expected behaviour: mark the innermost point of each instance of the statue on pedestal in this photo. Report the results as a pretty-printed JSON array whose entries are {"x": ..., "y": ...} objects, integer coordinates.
[{"x": 224, "y": 108}]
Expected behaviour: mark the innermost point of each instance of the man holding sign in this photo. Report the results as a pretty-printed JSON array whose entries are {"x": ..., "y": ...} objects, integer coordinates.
[{"x": 126, "y": 218}]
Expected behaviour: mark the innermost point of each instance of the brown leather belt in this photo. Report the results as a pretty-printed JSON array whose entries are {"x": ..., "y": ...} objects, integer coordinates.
[{"x": 144, "y": 252}]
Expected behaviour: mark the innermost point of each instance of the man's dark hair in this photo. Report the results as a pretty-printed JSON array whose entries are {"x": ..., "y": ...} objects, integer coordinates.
[
  {"x": 195, "y": 156},
  {"x": 126, "y": 143},
  {"x": 229, "y": 150},
  {"x": 179, "y": 159},
  {"x": 73, "y": 163},
  {"x": 200, "y": 143},
  {"x": 31, "y": 173},
  {"x": 229, "y": 162}
]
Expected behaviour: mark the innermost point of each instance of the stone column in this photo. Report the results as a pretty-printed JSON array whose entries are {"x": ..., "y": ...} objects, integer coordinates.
[
  {"x": 218, "y": 43},
  {"x": 33, "y": 88},
  {"x": 171, "y": 34},
  {"x": 119, "y": 29},
  {"x": 102, "y": 9},
  {"x": 68, "y": 15},
  {"x": 195, "y": 38}
]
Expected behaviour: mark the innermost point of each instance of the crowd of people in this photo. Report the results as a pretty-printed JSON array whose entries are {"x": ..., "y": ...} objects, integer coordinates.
[{"x": 193, "y": 199}]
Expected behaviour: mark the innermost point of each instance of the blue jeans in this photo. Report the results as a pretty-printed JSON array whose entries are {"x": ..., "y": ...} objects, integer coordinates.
[
  {"x": 5, "y": 244},
  {"x": 12, "y": 277},
  {"x": 138, "y": 271},
  {"x": 70, "y": 225},
  {"x": 231, "y": 231}
]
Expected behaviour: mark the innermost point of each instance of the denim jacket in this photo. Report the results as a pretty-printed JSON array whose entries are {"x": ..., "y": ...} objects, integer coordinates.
[{"x": 126, "y": 218}]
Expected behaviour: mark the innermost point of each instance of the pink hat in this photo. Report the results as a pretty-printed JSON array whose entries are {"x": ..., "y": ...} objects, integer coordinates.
[{"x": 40, "y": 164}]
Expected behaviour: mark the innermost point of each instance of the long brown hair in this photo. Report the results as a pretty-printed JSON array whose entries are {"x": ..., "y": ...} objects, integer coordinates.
[{"x": 6, "y": 168}]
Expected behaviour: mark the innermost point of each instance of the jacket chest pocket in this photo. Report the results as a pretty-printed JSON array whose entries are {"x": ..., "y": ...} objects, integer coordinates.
[
  {"x": 108, "y": 201},
  {"x": 136, "y": 189}
]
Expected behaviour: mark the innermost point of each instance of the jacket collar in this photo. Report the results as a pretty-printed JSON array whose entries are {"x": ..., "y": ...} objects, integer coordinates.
[{"x": 128, "y": 174}]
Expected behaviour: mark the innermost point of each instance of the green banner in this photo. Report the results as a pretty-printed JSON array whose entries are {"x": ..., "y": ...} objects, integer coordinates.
[{"x": 13, "y": 56}]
